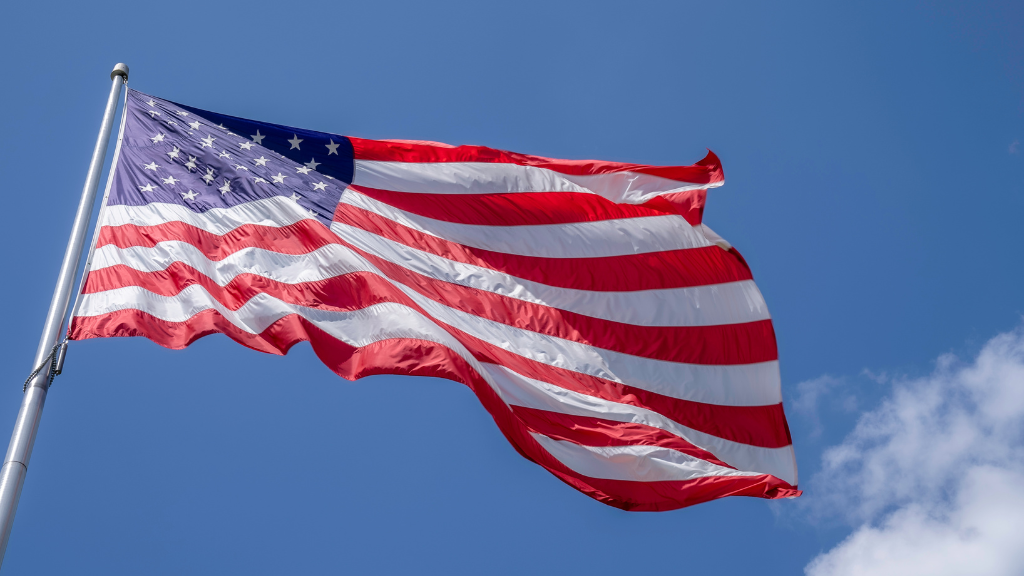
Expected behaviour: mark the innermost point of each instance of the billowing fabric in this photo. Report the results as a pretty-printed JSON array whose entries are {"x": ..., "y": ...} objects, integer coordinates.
[{"x": 615, "y": 339}]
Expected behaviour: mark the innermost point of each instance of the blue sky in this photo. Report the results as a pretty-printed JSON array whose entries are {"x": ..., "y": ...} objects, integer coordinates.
[{"x": 874, "y": 181}]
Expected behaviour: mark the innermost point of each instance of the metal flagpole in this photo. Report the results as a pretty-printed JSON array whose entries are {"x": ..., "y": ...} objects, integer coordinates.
[{"x": 12, "y": 475}]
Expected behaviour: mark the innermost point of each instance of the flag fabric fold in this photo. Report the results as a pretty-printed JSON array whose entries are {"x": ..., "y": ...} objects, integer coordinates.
[{"x": 614, "y": 338}]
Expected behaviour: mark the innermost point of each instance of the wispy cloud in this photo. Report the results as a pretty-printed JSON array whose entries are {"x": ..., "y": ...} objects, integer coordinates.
[
  {"x": 1014, "y": 146},
  {"x": 811, "y": 394},
  {"x": 932, "y": 476},
  {"x": 808, "y": 396}
]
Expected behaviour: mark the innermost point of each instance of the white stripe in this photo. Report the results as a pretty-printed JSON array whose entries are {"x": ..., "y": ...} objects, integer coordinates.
[
  {"x": 616, "y": 237},
  {"x": 500, "y": 178},
  {"x": 727, "y": 303},
  {"x": 519, "y": 390},
  {"x": 325, "y": 262},
  {"x": 714, "y": 238},
  {"x": 635, "y": 463},
  {"x": 735, "y": 385},
  {"x": 275, "y": 212},
  {"x": 357, "y": 327}
]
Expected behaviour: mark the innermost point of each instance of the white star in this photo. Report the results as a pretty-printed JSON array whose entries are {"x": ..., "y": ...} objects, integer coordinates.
[
  {"x": 222, "y": 126},
  {"x": 261, "y": 161},
  {"x": 151, "y": 103},
  {"x": 172, "y": 122},
  {"x": 158, "y": 138},
  {"x": 258, "y": 180},
  {"x": 208, "y": 142},
  {"x": 312, "y": 164},
  {"x": 191, "y": 164},
  {"x": 147, "y": 188},
  {"x": 295, "y": 197},
  {"x": 295, "y": 142},
  {"x": 225, "y": 188},
  {"x": 258, "y": 138},
  {"x": 171, "y": 180},
  {"x": 190, "y": 195},
  {"x": 312, "y": 213},
  {"x": 240, "y": 167},
  {"x": 153, "y": 113},
  {"x": 302, "y": 170},
  {"x": 208, "y": 176},
  {"x": 245, "y": 145},
  {"x": 174, "y": 153},
  {"x": 332, "y": 148},
  {"x": 223, "y": 154},
  {"x": 328, "y": 177},
  {"x": 194, "y": 125},
  {"x": 279, "y": 179},
  {"x": 320, "y": 186},
  {"x": 151, "y": 166},
  {"x": 182, "y": 113}
]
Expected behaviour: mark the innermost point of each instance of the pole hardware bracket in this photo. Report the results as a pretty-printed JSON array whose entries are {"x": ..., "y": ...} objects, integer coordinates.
[{"x": 56, "y": 360}]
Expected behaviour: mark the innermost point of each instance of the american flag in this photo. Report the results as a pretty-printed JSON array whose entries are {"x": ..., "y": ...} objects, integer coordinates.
[{"x": 614, "y": 338}]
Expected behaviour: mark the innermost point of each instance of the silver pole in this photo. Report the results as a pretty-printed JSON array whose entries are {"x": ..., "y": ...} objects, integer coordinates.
[{"x": 12, "y": 475}]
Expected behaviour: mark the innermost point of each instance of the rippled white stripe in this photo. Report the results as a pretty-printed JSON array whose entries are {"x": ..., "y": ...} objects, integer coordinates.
[
  {"x": 325, "y": 262},
  {"x": 615, "y": 237},
  {"x": 499, "y": 178},
  {"x": 635, "y": 463},
  {"x": 275, "y": 212},
  {"x": 519, "y": 390},
  {"x": 728, "y": 303},
  {"x": 740, "y": 384}
]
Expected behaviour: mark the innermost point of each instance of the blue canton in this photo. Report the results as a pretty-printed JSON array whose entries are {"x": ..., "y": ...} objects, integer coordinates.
[{"x": 177, "y": 154}]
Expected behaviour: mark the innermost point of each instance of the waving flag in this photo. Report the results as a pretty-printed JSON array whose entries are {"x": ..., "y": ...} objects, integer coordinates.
[{"x": 615, "y": 339}]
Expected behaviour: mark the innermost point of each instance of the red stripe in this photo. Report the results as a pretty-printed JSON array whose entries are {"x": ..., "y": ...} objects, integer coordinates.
[
  {"x": 689, "y": 204},
  {"x": 662, "y": 496},
  {"x": 523, "y": 209},
  {"x": 342, "y": 293},
  {"x": 725, "y": 344},
  {"x": 422, "y": 358},
  {"x": 648, "y": 271},
  {"x": 706, "y": 171},
  {"x": 301, "y": 237},
  {"x": 589, "y": 431},
  {"x": 763, "y": 426}
]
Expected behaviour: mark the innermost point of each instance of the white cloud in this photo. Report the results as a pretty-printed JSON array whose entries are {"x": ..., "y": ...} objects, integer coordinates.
[{"x": 934, "y": 475}]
